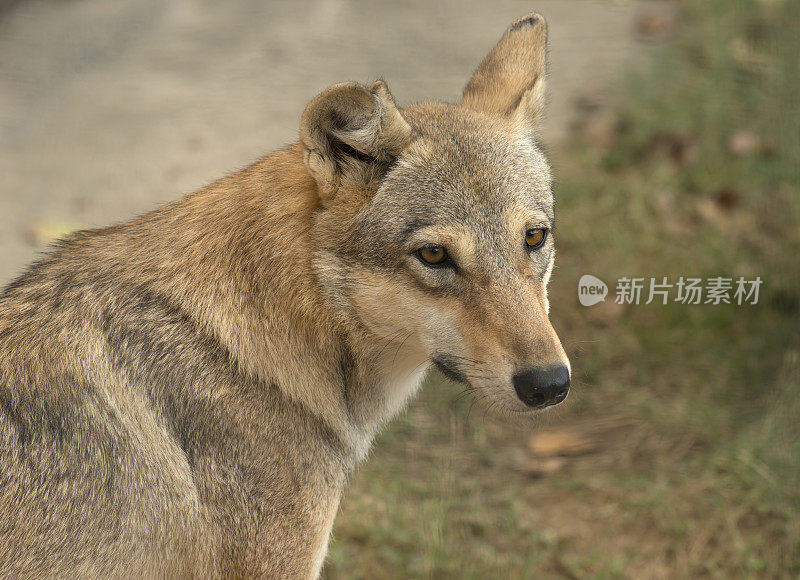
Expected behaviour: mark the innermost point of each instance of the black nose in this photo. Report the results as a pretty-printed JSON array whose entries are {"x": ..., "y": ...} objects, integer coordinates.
[{"x": 542, "y": 387}]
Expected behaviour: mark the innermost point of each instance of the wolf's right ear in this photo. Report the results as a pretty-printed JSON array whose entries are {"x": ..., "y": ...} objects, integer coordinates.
[
  {"x": 510, "y": 80},
  {"x": 351, "y": 132}
]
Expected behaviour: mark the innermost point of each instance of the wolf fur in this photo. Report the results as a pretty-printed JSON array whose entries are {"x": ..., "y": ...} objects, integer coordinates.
[{"x": 185, "y": 394}]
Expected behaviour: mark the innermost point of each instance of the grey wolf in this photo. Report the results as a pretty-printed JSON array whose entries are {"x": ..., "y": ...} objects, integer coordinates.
[{"x": 186, "y": 394}]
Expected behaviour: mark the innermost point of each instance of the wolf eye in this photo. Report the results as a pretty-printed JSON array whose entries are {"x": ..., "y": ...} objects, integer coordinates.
[
  {"x": 433, "y": 256},
  {"x": 534, "y": 238}
]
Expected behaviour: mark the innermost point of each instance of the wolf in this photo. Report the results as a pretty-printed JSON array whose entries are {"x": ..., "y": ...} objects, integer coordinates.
[{"x": 186, "y": 394}]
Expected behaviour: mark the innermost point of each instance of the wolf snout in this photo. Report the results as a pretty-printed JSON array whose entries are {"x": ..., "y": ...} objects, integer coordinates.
[{"x": 542, "y": 387}]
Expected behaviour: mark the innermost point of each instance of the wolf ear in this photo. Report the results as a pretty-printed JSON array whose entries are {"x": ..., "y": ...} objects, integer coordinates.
[
  {"x": 351, "y": 132},
  {"x": 511, "y": 79}
]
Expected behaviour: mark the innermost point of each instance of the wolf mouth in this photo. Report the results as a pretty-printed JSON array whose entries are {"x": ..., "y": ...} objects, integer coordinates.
[{"x": 447, "y": 365}]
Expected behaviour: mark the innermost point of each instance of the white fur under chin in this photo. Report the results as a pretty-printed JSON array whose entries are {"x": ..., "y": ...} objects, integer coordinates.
[{"x": 399, "y": 391}]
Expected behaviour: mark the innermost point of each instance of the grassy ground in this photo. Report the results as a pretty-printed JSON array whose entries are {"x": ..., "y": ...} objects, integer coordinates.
[{"x": 679, "y": 453}]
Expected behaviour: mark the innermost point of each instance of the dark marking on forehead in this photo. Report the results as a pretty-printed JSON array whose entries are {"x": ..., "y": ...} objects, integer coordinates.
[
  {"x": 482, "y": 157},
  {"x": 415, "y": 224},
  {"x": 539, "y": 202}
]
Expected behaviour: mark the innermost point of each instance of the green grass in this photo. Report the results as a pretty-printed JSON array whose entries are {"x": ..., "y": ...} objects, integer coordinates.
[{"x": 693, "y": 409}]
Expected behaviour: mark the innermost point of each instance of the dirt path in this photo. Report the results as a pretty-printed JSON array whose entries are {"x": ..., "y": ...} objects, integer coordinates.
[{"x": 107, "y": 109}]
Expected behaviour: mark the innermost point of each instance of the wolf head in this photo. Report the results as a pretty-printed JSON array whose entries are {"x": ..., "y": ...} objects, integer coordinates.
[{"x": 435, "y": 227}]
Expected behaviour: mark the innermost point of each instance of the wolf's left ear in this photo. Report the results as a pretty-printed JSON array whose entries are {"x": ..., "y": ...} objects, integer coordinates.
[
  {"x": 351, "y": 132},
  {"x": 511, "y": 79}
]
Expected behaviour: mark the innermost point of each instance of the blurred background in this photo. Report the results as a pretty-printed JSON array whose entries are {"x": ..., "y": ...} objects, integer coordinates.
[{"x": 674, "y": 131}]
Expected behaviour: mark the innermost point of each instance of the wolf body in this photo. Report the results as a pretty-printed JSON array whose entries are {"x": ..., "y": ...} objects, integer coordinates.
[{"x": 186, "y": 394}]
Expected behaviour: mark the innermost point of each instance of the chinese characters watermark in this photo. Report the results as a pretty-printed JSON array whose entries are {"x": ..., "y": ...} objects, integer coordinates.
[{"x": 713, "y": 291}]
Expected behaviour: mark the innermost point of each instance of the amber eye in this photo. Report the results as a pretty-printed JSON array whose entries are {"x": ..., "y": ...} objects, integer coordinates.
[
  {"x": 433, "y": 255},
  {"x": 535, "y": 238}
]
